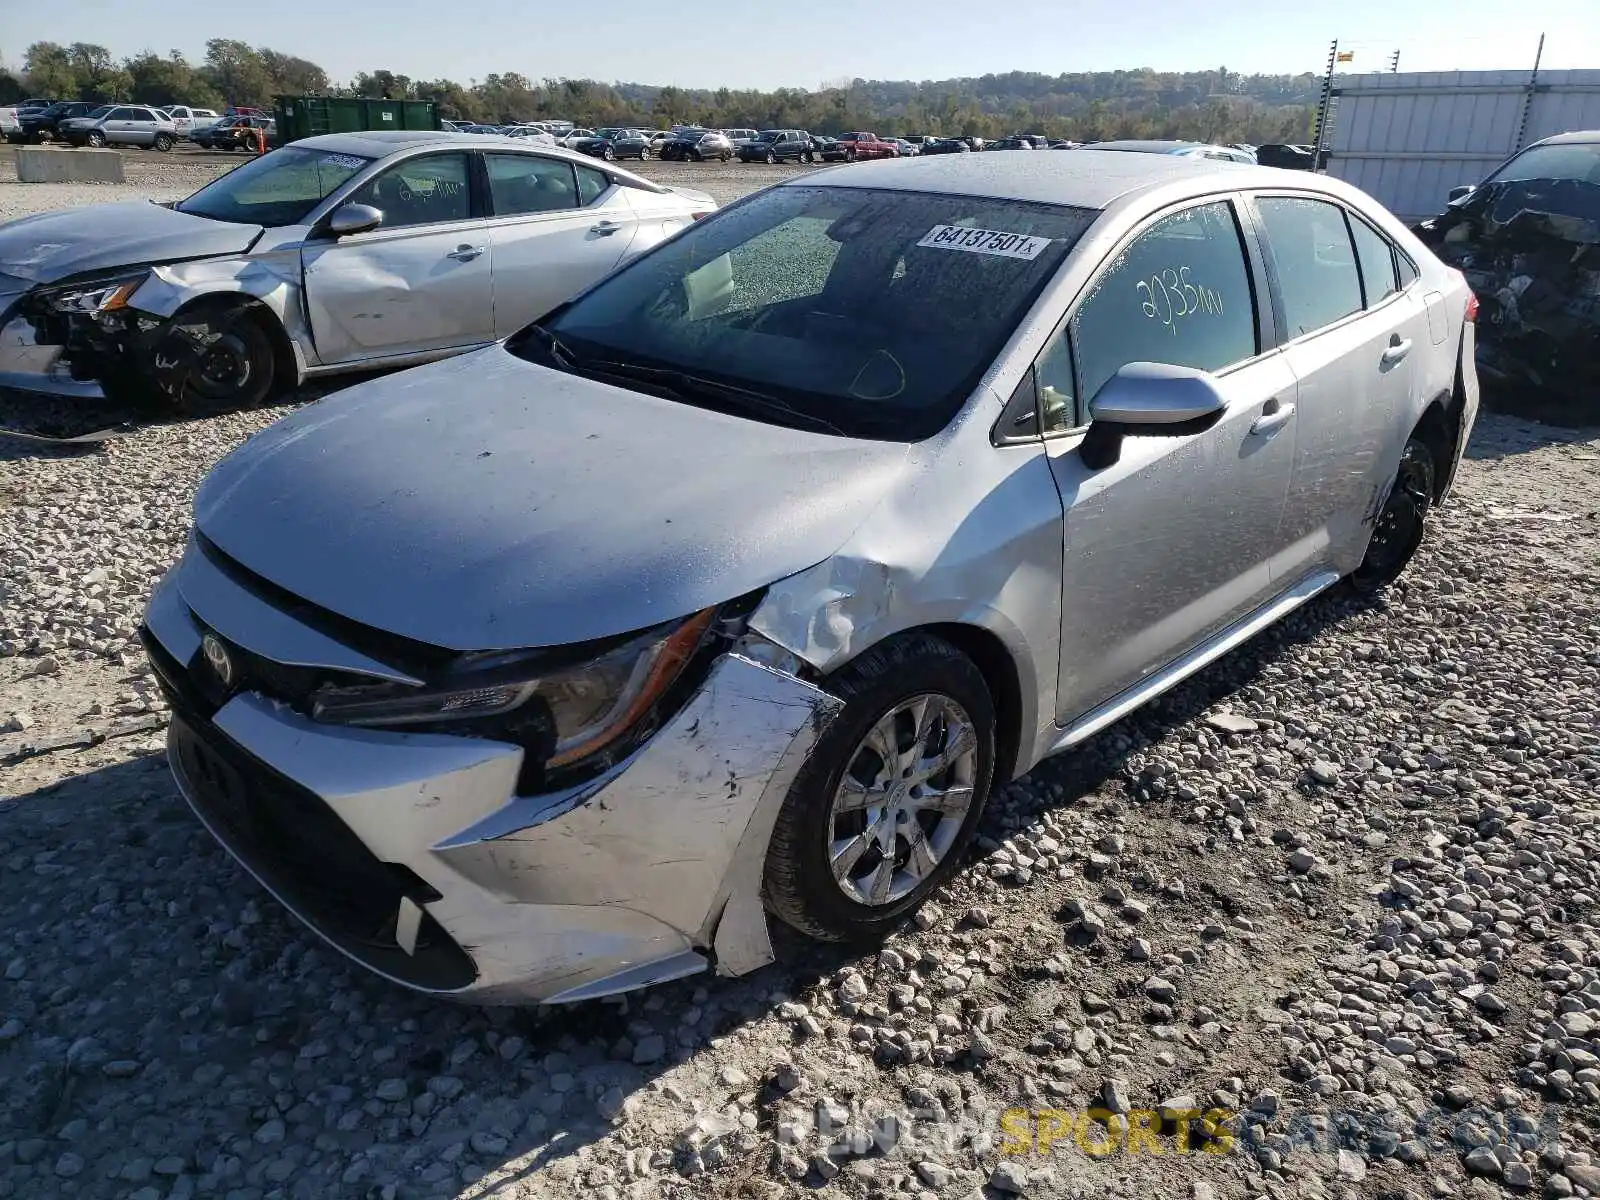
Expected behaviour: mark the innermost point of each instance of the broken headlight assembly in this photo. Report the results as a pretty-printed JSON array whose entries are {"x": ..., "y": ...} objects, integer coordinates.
[
  {"x": 95, "y": 297},
  {"x": 568, "y": 710}
]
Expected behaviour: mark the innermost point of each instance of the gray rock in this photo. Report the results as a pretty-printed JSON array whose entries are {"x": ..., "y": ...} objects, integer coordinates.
[
  {"x": 650, "y": 1048},
  {"x": 1009, "y": 1177},
  {"x": 1482, "y": 1161},
  {"x": 935, "y": 1175}
]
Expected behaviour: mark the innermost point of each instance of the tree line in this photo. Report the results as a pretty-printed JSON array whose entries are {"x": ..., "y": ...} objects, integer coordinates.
[{"x": 1215, "y": 106}]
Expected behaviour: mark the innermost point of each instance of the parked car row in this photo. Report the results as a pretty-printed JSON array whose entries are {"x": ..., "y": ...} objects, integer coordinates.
[{"x": 718, "y": 583}]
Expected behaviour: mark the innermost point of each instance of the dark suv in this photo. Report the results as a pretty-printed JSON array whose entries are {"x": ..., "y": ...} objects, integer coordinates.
[
  {"x": 35, "y": 125},
  {"x": 776, "y": 145}
]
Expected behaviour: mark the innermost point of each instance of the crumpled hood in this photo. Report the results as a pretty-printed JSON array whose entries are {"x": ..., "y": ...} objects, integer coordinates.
[
  {"x": 72, "y": 241},
  {"x": 486, "y": 503}
]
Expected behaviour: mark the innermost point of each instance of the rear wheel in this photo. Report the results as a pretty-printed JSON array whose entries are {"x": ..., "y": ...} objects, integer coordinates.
[
  {"x": 881, "y": 812},
  {"x": 1398, "y": 531},
  {"x": 163, "y": 142}
]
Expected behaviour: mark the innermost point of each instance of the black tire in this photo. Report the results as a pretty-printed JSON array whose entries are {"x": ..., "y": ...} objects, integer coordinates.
[
  {"x": 238, "y": 372},
  {"x": 771, "y": 157},
  {"x": 163, "y": 142},
  {"x": 95, "y": 140},
  {"x": 810, "y": 157},
  {"x": 726, "y": 157},
  {"x": 799, "y": 885},
  {"x": 1401, "y": 524},
  {"x": 608, "y": 153}
]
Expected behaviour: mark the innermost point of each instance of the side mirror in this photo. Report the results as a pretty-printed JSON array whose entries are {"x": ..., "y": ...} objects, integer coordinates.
[
  {"x": 354, "y": 218},
  {"x": 1460, "y": 193},
  {"x": 1147, "y": 399}
]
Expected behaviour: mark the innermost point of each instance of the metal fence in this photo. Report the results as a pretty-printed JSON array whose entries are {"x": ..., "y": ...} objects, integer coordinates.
[{"x": 1407, "y": 139}]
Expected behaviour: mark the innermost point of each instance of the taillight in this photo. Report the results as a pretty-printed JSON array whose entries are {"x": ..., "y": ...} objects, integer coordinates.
[
  {"x": 707, "y": 213},
  {"x": 1472, "y": 306}
]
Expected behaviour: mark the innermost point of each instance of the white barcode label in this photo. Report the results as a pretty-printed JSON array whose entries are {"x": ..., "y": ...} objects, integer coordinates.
[{"x": 984, "y": 241}]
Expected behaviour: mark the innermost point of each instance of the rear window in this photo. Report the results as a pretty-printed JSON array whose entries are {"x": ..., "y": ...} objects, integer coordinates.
[
  {"x": 854, "y": 306},
  {"x": 1574, "y": 161}
]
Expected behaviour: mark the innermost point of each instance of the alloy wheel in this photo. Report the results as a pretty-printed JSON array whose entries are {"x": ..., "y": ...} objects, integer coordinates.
[{"x": 902, "y": 800}]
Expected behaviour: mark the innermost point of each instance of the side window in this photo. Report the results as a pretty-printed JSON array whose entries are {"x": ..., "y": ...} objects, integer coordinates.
[
  {"x": 1315, "y": 261},
  {"x": 527, "y": 183},
  {"x": 1408, "y": 269},
  {"x": 1376, "y": 256},
  {"x": 592, "y": 185},
  {"x": 121, "y": 114},
  {"x": 1178, "y": 293},
  {"x": 420, "y": 191}
]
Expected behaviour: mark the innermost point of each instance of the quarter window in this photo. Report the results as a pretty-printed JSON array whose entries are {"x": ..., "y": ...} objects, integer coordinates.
[
  {"x": 1376, "y": 256},
  {"x": 1316, "y": 263},
  {"x": 420, "y": 191},
  {"x": 1179, "y": 293},
  {"x": 527, "y": 183}
]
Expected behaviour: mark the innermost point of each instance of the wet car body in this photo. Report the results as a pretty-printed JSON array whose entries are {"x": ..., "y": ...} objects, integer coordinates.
[
  {"x": 560, "y": 693},
  {"x": 1528, "y": 241},
  {"x": 151, "y": 300}
]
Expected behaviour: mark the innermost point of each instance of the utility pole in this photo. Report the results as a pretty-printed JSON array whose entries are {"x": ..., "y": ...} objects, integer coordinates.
[
  {"x": 1527, "y": 99},
  {"x": 1394, "y": 63},
  {"x": 1322, "y": 107}
]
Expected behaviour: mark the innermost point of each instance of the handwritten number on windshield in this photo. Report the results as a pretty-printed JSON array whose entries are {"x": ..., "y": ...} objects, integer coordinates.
[{"x": 1168, "y": 296}]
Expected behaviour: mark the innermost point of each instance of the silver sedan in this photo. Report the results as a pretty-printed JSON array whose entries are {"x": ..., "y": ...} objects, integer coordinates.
[
  {"x": 337, "y": 253},
  {"x": 735, "y": 585}
]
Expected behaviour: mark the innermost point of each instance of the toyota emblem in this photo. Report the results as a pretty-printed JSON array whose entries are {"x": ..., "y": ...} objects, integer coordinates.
[{"x": 217, "y": 655}]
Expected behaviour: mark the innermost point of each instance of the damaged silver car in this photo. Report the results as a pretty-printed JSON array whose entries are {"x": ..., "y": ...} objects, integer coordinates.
[
  {"x": 337, "y": 253},
  {"x": 734, "y": 585}
]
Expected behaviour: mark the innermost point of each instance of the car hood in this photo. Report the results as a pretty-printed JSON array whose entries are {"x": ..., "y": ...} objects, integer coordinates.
[
  {"x": 57, "y": 245},
  {"x": 486, "y": 503}
]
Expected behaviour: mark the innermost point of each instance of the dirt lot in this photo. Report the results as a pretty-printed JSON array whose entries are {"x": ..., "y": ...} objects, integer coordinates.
[{"x": 1341, "y": 888}]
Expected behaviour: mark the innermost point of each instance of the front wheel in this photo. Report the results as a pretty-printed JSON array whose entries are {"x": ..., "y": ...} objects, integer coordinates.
[
  {"x": 881, "y": 812},
  {"x": 771, "y": 158},
  {"x": 96, "y": 140},
  {"x": 608, "y": 154},
  {"x": 235, "y": 367},
  {"x": 1398, "y": 530}
]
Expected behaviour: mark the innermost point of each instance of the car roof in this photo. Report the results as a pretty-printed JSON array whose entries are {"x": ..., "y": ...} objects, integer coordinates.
[
  {"x": 1577, "y": 136},
  {"x": 1148, "y": 145},
  {"x": 380, "y": 143},
  {"x": 1086, "y": 178}
]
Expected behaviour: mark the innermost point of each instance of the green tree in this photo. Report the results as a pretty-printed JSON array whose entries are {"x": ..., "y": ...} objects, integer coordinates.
[
  {"x": 50, "y": 71},
  {"x": 236, "y": 71},
  {"x": 170, "y": 80}
]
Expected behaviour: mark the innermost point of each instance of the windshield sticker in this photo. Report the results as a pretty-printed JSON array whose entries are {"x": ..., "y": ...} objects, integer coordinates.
[
  {"x": 984, "y": 241},
  {"x": 344, "y": 160}
]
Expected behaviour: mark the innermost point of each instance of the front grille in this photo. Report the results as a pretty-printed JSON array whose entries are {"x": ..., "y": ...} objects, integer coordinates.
[{"x": 296, "y": 845}]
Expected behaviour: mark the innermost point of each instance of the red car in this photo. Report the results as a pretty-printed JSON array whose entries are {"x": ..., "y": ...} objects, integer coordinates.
[{"x": 852, "y": 146}]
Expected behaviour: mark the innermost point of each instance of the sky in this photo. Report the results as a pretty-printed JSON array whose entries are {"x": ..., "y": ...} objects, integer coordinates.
[{"x": 776, "y": 43}]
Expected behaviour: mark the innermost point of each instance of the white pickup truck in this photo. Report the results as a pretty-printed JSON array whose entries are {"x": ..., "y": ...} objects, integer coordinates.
[{"x": 190, "y": 121}]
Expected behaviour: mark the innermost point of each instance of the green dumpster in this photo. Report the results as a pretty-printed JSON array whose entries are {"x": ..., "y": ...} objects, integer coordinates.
[{"x": 306, "y": 116}]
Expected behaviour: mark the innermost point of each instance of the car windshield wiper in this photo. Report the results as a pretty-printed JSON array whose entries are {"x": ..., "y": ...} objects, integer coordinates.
[
  {"x": 555, "y": 349},
  {"x": 687, "y": 385}
]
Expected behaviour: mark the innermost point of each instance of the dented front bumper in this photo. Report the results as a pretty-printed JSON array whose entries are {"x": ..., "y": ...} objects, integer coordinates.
[{"x": 413, "y": 854}]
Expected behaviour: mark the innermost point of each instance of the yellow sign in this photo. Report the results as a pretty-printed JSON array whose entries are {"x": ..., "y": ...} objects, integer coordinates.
[
  {"x": 1347, "y": 56},
  {"x": 1099, "y": 1132}
]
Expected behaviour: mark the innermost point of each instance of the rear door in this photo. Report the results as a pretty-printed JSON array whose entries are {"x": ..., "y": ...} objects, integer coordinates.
[
  {"x": 557, "y": 226},
  {"x": 1171, "y": 543},
  {"x": 1350, "y": 333},
  {"x": 419, "y": 282}
]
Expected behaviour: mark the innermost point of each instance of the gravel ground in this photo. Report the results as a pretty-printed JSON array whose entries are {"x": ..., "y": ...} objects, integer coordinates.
[{"x": 1337, "y": 894}]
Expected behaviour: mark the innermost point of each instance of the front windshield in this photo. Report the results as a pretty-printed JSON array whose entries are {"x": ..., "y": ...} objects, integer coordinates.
[
  {"x": 771, "y": 135},
  {"x": 1578, "y": 161},
  {"x": 280, "y": 188},
  {"x": 854, "y": 307}
]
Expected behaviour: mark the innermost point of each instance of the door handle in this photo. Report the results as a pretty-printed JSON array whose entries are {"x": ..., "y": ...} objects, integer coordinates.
[
  {"x": 1275, "y": 416},
  {"x": 1399, "y": 347},
  {"x": 605, "y": 228},
  {"x": 465, "y": 253}
]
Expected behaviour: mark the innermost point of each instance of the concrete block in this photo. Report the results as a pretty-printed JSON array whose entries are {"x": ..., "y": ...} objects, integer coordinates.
[{"x": 38, "y": 164}]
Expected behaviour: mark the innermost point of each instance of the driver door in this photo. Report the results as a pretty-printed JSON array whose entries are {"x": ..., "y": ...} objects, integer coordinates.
[
  {"x": 1172, "y": 542},
  {"x": 420, "y": 282}
]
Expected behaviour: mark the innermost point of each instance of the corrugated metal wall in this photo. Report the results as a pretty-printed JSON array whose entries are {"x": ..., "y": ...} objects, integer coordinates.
[{"x": 1407, "y": 139}]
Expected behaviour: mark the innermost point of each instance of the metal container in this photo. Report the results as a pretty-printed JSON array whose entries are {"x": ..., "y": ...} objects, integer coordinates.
[
  {"x": 306, "y": 116},
  {"x": 1407, "y": 139}
]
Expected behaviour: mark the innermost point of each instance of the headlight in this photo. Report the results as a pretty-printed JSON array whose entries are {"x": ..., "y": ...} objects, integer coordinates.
[
  {"x": 578, "y": 709},
  {"x": 103, "y": 295}
]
